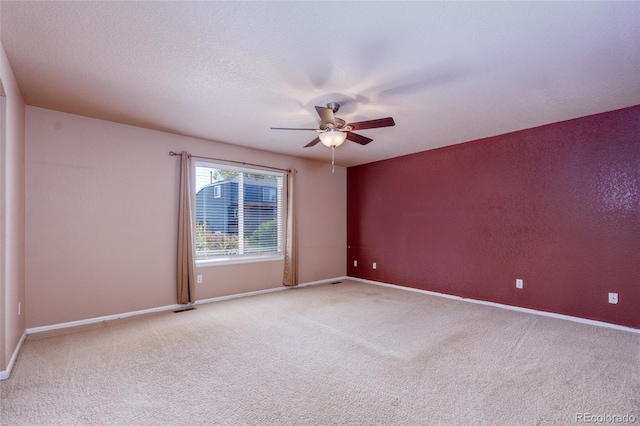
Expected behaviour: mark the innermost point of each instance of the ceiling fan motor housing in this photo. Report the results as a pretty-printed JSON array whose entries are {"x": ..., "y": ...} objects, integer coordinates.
[{"x": 340, "y": 125}]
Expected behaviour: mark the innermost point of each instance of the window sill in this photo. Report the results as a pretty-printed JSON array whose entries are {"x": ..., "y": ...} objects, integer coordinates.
[{"x": 231, "y": 261}]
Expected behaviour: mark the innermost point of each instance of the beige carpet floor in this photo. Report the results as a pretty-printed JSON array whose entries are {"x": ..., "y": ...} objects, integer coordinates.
[{"x": 345, "y": 354}]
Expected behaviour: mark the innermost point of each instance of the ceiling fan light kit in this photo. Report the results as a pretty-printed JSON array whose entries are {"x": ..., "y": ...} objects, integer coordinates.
[
  {"x": 334, "y": 131},
  {"x": 332, "y": 138}
]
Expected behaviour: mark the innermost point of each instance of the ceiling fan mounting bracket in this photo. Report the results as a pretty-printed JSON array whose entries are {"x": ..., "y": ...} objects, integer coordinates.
[{"x": 333, "y": 106}]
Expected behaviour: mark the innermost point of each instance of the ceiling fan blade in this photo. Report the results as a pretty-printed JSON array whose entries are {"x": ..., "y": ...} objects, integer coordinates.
[
  {"x": 289, "y": 128},
  {"x": 372, "y": 124},
  {"x": 312, "y": 143},
  {"x": 326, "y": 115},
  {"x": 354, "y": 137}
]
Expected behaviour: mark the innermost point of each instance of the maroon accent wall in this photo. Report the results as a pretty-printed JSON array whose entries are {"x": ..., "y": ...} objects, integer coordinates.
[{"x": 557, "y": 206}]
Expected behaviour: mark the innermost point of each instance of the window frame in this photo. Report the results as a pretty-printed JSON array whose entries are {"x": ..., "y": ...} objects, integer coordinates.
[{"x": 277, "y": 255}]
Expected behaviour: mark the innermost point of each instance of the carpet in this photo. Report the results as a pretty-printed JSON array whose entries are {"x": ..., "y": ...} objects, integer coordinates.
[{"x": 345, "y": 354}]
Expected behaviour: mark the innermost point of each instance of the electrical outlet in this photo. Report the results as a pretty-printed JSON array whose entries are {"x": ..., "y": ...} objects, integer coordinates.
[
  {"x": 519, "y": 283},
  {"x": 613, "y": 298},
  {"x": 355, "y": 263},
  {"x": 375, "y": 266},
  {"x": 199, "y": 279}
]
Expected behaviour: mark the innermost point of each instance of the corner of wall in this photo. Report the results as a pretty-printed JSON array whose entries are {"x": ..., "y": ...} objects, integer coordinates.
[{"x": 12, "y": 214}]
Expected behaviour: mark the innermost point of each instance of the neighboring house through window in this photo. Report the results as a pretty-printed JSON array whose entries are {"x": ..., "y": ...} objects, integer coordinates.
[
  {"x": 238, "y": 213},
  {"x": 269, "y": 194}
]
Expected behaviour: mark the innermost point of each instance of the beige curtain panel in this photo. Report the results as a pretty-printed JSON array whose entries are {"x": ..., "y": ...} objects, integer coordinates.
[
  {"x": 291, "y": 247},
  {"x": 186, "y": 260}
]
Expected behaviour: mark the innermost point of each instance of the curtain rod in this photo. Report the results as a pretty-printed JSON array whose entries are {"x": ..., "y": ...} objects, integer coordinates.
[{"x": 172, "y": 153}]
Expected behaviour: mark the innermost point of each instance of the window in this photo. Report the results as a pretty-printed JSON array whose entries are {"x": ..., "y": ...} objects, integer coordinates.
[
  {"x": 238, "y": 213},
  {"x": 269, "y": 194}
]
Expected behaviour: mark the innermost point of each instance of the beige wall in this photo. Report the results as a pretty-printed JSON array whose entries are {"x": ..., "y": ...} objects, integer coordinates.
[
  {"x": 101, "y": 219},
  {"x": 12, "y": 222}
]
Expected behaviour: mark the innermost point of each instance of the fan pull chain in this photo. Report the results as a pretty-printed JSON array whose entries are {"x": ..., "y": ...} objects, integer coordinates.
[{"x": 333, "y": 167}]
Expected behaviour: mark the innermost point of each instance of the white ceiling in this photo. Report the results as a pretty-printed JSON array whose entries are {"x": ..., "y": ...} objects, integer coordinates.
[{"x": 447, "y": 72}]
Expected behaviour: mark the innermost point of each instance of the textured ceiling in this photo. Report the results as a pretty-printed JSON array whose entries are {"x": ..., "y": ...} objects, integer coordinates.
[{"x": 448, "y": 72}]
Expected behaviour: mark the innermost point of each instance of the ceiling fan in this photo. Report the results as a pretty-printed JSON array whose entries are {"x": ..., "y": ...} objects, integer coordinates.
[{"x": 333, "y": 130}]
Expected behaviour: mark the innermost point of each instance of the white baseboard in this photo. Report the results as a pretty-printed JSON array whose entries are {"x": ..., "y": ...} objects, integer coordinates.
[
  {"x": 329, "y": 281},
  {"x": 502, "y": 306},
  {"x": 59, "y": 326},
  {"x": 269, "y": 290},
  {"x": 4, "y": 374},
  {"x": 87, "y": 321}
]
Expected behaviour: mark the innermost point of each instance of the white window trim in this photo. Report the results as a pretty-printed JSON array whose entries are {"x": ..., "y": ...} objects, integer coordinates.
[{"x": 203, "y": 263}]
